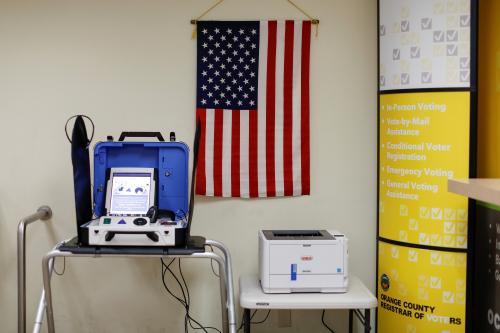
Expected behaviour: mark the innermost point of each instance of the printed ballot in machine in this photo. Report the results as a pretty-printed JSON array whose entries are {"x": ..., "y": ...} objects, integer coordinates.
[
  {"x": 303, "y": 261},
  {"x": 140, "y": 194}
]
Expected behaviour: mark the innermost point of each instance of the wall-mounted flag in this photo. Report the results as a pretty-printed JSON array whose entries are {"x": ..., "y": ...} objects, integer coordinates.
[{"x": 253, "y": 107}]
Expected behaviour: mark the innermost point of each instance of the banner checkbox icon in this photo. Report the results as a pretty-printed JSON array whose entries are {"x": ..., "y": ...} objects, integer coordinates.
[
  {"x": 450, "y": 214},
  {"x": 424, "y": 212},
  {"x": 436, "y": 258},
  {"x": 435, "y": 282},
  {"x": 412, "y": 256},
  {"x": 413, "y": 224},
  {"x": 423, "y": 238},
  {"x": 449, "y": 228},
  {"x": 437, "y": 214},
  {"x": 394, "y": 252},
  {"x": 448, "y": 297}
]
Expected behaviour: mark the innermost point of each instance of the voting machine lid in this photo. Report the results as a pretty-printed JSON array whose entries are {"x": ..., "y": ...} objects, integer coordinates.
[{"x": 169, "y": 159}]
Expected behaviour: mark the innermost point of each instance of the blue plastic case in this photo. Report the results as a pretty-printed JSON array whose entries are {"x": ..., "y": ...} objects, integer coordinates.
[{"x": 170, "y": 160}]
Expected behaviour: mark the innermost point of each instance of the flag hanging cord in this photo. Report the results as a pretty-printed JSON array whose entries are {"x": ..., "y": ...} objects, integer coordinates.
[{"x": 314, "y": 21}]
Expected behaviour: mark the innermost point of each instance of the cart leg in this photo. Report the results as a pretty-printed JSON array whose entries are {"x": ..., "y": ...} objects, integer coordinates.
[
  {"x": 367, "y": 320},
  {"x": 350, "y": 320},
  {"x": 41, "y": 304},
  {"x": 228, "y": 271},
  {"x": 48, "y": 292},
  {"x": 223, "y": 298},
  {"x": 246, "y": 320}
]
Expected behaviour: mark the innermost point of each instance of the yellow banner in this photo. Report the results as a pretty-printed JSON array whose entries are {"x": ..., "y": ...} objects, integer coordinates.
[
  {"x": 424, "y": 140},
  {"x": 420, "y": 291}
]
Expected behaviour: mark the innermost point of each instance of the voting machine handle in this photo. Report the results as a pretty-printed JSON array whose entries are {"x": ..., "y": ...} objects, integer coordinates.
[
  {"x": 141, "y": 135},
  {"x": 152, "y": 235}
]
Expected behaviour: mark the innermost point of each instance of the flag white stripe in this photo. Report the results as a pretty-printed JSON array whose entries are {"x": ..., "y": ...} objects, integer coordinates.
[
  {"x": 209, "y": 151},
  {"x": 226, "y": 152},
  {"x": 244, "y": 162},
  {"x": 261, "y": 111},
  {"x": 278, "y": 117},
  {"x": 296, "y": 109}
]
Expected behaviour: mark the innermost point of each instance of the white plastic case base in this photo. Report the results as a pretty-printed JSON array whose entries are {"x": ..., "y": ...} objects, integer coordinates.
[{"x": 122, "y": 231}]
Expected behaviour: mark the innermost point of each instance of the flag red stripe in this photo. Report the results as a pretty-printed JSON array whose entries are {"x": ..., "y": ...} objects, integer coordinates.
[
  {"x": 200, "y": 171},
  {"x": 218, "y": 124},
  {"x": 252, "y": 154},
  {"x": 304, "y": 116},
  {"x": 235, "y": 154},
  {"x": 270, "y": 108},
  {"x": 287, "y": 109}
]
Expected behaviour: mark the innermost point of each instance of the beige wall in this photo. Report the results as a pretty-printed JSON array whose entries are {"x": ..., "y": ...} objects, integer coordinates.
[{"x": 130, "y": 65}]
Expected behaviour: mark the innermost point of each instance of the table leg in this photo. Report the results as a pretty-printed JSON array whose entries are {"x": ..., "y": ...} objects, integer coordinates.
[
  {"x": 246, "y": 320},
  {"x": 350, "y": 320},
  {"x": 367, "y": 321}
]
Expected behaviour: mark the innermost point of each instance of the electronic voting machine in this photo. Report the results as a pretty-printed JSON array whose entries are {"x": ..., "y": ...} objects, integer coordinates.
[{"x": 140, "y": 194}]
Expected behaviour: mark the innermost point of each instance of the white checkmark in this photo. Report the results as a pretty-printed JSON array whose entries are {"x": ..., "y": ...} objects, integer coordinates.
[
  {"x": 415, "y": 51},
  {"x": 449, "y": 228},
  {"x": 423, "y": 238},
  {"x": 448, "y": 297},
  {"x": 436, "y": 214},
  {"x": 411, "y": 329},
  {"x": 436, "y": 258},
  {"x": 426, "y": 22},
  {"x": 464, "y": 20},
  {"x": 426, "y": 77},
  {"x": 464, "y": 76},
  {"x": 461, "y": 241},
  {"x": 438, "y": 36},
  {"x": 412, "y": 256},
  {"x": 423, "y": 281},
  {"x": 461, "y": 228},
  {"x": 435, "y": 282},
  {"x": 436, "y": 239},
  {"x": 395, "y": 252},
  {"x": 464, "y": 63},
  {"x": 449, "y": 240},
  {"x": 451, "y": 35},
  {"x": 413, "y": 224},
  {"x": 452, "y": 49},
  {"x": 460, "y": 284}
]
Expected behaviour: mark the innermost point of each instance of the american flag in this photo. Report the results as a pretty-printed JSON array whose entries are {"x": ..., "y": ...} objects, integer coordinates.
[{"x": 253, "y": 107}]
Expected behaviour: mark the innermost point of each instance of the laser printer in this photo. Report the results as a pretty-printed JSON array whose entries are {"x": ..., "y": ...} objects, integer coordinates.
[{"x": 303, "y": 261}]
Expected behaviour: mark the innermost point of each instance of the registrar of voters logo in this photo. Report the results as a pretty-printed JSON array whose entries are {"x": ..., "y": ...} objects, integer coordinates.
[{"x": 385, "y": 282}]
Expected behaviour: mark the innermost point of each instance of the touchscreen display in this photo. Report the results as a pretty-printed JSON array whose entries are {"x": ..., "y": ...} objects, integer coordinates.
[{"x": 130, "y": 193}]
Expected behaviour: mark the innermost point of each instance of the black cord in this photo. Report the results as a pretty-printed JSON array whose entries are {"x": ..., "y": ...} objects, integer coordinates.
[
  {"x": 251, "y": 317},
  {"x": 164, "y": 271},
  {"x": 64, "y": 267},
  {"x": 185, "y": 300},
  {"x": 263, "y": 320},
  {"x": 324, "y": 324}
]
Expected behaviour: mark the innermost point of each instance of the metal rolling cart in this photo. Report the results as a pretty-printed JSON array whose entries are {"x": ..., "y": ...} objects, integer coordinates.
[{"x": 195, "y": 249}]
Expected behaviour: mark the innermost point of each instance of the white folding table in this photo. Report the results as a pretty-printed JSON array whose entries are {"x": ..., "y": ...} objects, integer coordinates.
[{"x": 357, "y": 298}]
